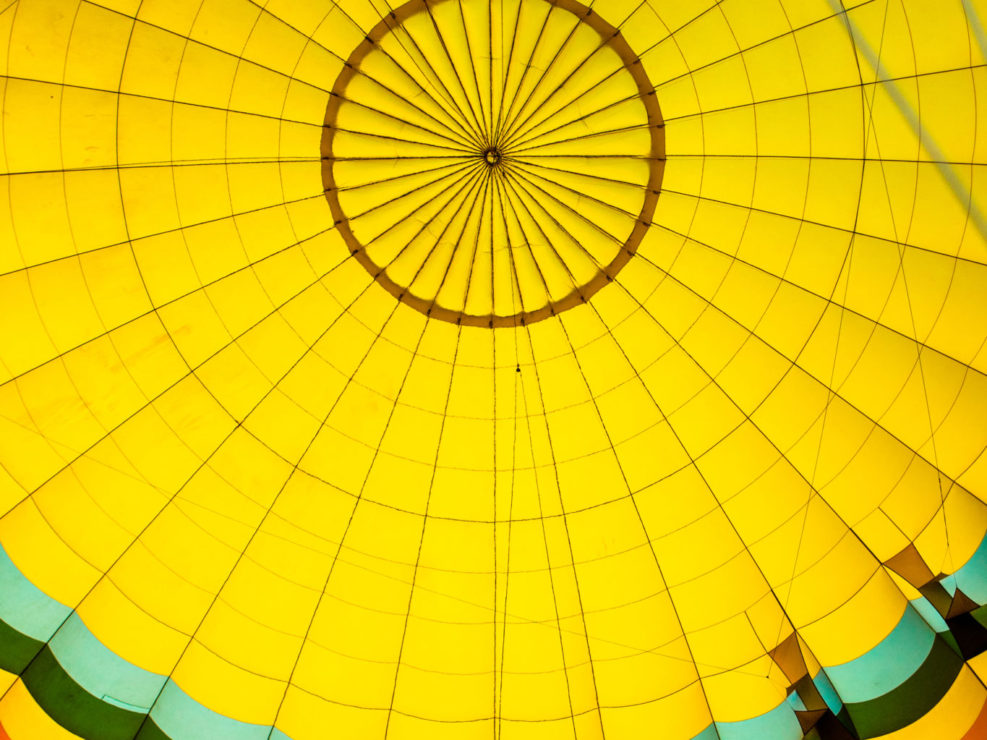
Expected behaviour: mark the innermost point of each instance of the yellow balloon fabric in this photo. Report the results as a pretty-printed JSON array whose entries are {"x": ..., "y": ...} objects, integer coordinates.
[{"x": 504, "y": 369}]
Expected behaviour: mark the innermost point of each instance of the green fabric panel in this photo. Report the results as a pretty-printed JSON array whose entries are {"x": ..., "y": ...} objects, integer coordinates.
[
  {"x": 913, "y": 699},
  {"x": 951, "y": 641},
  {"x": 17, "y": 650},
  {"x": 150, "y": 731},
  {"x": 73, "y": 707}
]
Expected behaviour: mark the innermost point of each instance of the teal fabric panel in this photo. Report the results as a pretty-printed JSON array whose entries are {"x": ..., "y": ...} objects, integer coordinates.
[
  {"x": 778, "y": 724},
  {"x": 180, "y": 716},
  {"x": 24, "y": 606},
  {"x": 886, "y": 666},
  {"x": 102, "y": 672}
]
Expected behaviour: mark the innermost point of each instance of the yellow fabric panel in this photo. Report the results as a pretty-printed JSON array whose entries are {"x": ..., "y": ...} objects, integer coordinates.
[
  {"x": 978, "y": 666},
  {"x": 304, "y": 715},
  {"x": 227, "y": 688},
  {"x": 329, "y": 494},
  {"x": 961, "y": 543},
  {"x": 125, "y": 625},
  {"x": 684, "y": 714},
  {"x": 45, "y": 558},
  {"x": 157, "y": 592},
  {"x": 33, "y": 458},
  {"x": 23, "y": 718},
  {"x": 6, "y": 680},
  {"x": 881, "y": 535},
  {"x": 758, "y": 684},
  {"x": 410, "y": 727},
  {"x": 853, "y": 627}
]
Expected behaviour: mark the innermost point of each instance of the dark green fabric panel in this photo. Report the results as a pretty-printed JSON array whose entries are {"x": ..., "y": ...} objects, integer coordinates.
[
  {"x": 150, "y": 731},
  {"x": 951, "y": 641},
  {"x": 913, "y": 699},
  {"x": 16, "y": 649},
  {"x": 73, "y": 707}
]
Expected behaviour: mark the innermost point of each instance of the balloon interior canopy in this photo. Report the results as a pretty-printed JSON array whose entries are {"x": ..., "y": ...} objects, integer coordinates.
[{"x": 505, "y": 369}]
